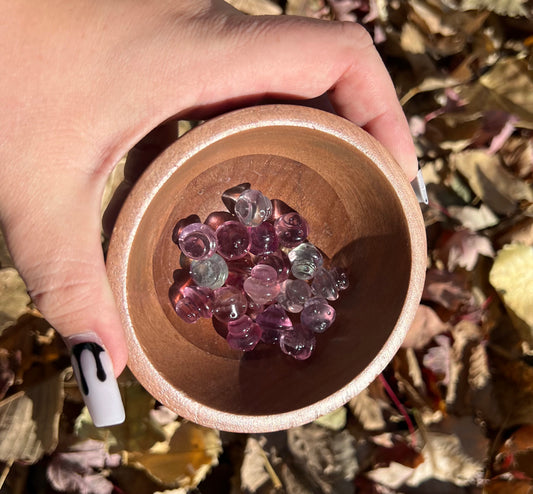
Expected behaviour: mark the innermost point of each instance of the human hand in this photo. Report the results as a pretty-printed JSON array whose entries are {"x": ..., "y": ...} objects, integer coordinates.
[{"x": 84, "y": 81}]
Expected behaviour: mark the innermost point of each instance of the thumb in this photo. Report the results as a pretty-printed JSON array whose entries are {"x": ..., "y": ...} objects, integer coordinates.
[{"x": 58, "y": 252}]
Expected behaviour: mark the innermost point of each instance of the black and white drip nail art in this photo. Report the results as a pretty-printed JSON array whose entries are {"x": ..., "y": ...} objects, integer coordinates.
[{"x": 94, "y": 372}]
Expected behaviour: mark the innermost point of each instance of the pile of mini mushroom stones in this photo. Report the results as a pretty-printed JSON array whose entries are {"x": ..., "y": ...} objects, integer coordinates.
[{"x": 253, "y": 268}]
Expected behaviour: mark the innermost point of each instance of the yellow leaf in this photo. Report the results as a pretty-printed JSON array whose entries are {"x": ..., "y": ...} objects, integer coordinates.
[
  {"x": 512, "y": 276},
  {"x": 256, "y": 7},
  {"x": 191, "y": 452},
  {"x": 335, "y": 420}
]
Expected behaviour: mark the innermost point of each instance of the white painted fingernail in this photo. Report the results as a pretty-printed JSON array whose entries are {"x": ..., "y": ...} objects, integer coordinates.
[
  {"x": 94, "y": 372},
  {"x": 420, "y": 188}
]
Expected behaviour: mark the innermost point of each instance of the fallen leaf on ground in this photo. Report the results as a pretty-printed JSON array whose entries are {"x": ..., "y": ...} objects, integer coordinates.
[
  {"x": 328, "y": 458},
  {"x": 184, "y": 460},
  {"x": 463, "y": 248},
  {"x": 14, "y": 298},
  {"x": 335, "y": 420},
  {"x": 256, "y": 7},
  {"x": 494, "y": 184},
  {"x": 425, "y": 326},
  {"x": 446, "y": 289},
  {"x": 82, "y": 468},
  {"x": 29, "y": 421},
  {"x": 512, "y": 277}
]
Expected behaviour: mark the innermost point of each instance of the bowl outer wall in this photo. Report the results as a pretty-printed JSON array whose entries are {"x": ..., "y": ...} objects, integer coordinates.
[{"x": 158, "y": 173}]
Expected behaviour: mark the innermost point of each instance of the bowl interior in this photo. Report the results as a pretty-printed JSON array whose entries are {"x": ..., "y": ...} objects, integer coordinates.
[{"x": 356, "y": 218}]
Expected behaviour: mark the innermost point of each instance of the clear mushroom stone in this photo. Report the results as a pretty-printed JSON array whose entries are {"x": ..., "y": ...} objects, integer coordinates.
[
  {"x": 252, "y": 208},
  {"x": 305, "y": 260},
  {"x": 211, "y": 272}
]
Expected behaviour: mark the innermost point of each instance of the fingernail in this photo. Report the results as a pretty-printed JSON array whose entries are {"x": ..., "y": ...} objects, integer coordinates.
[
  {"x": 94, "y": 373},
  {"x": 420, "y": 188}
]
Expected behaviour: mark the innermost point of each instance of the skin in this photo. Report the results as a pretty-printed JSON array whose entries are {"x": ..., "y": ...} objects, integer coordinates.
[{"x": 84, "y": 81}]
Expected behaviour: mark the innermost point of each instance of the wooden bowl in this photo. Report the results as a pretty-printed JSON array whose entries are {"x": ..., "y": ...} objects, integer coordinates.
[{"x": 362, "y": 214}]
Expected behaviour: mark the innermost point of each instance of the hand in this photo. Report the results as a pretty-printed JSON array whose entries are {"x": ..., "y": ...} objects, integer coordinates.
[{"x": 84, "y": 81}]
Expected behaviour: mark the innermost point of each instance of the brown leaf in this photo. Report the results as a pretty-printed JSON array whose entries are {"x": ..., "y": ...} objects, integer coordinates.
[
  {"x": 446, "y": 289},
  {"x": 513, "y": 486},
  {"x": 425, "y": 326},
  {"x": 29, "y": 421},
  {"x": 307, "y": 8},
  {"x": 516, "y": 454},
  {"x": 256, "y": 7},
  {"x": 368, "y": 410},
  {"x": 496, "y": 186},
  {"x": 328, "y": 458},
  {"x": 14, "y": 298},
  {"x": 512, "y": 8},
  {"x": 5, "y": 257}
]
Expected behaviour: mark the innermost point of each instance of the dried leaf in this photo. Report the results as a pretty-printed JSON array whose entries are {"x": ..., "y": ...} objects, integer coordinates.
[
  {"x": 256, "y": 7},
  {"x": 473, "y": 218},
  {"x": 328, "y": 458},
  {"x": 497, "y": 187},
  {"x": 14, "y": 298},
  {"x": 512, "y": 8},
  {"x": 425, "y": 326},
  {"x": 466, "y": 337},
  {"x": 508, "y": 486},
  {"x": 512, "y": 277},
  {"x": 516, "y": 454},
  {"x": 29, "y": 421},
  {"x": 463, "y": 248},
  {"x": 448, "y": 458},
  {"x": 446, "y": 289},
  {"x": 253, "y": 471},
  {"x": 80, "y": 469},
  {"x": 184, "y": 460},
  {"x": 9, "y": 366},
  {"x": 5, "y": 257},
  {"x": 368, "y": 410},
  {"x": 438, "y": 359},
  {"x": 335, "y": 420},
  {"x": 307, "y": 8},
  {"x": 519, "y": 232}
]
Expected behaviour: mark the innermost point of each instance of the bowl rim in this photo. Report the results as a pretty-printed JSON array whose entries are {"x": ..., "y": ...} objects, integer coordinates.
[{"x": 155, "y": 177}]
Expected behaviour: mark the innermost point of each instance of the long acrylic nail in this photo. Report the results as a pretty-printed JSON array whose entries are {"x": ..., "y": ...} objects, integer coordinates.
[
  {"x": 94, "y": 372},
  {"x": 420, "y": 188}
]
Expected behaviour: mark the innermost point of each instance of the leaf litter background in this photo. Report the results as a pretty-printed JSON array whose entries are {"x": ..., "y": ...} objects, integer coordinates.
[{"x": 453, "y": 412}]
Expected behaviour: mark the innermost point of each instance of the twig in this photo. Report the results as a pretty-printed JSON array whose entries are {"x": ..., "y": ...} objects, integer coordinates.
[
  {"x": 5, "y": 472},
  {"x": 400, "y": 407},
  {"x": 270, "y": 470}
]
